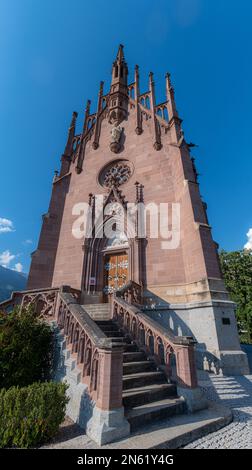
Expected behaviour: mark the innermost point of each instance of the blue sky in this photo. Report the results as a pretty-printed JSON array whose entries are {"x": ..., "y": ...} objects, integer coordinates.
[{"x": 54, "y": 53}]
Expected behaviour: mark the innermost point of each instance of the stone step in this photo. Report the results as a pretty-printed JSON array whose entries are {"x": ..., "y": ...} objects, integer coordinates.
[
  {"x": 104, "y": 323},
  {"x": 150, "y": 393},
  {"x": 66, "y": 353},
  {"x": 62, "y": 344},
  {"x": 59, "y": 335},
  {"x": 97, "y": 306},
  {"x": 130, "y": 347},
  {"x": 142, "y": 378},
  {"x": 114, "y": 334},
  {"x": 142, "y": 366},
  {"x": 110, "y": 327},
  {"x": 148, "y": 412},
  {"x": 134, "y": 356},
  {"x": 120, "y": 339},
  {"x": 70, "y": 363},
  {"x": 74, "y": 375},
  {"x": 98, "y": 312}
]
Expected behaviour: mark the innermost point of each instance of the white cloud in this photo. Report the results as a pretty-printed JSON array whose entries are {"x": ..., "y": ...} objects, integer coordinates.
[
  {"x": 27, "y": 242},
  {"x": 5, "y": 258},
  {"x": 6, "y": 225},
  {"x": 18, "y": 267},
  {"x": 248, "y": 245}
]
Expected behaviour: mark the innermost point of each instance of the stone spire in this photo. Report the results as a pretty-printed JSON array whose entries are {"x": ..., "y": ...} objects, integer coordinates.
[
  {"x": 82, "y": 145},
  {"x": 139, "y": 128},
  {"x": 71, "y": 134},
  {"x": 157, "y": 138},
  {"x": 66, "y": 157},
  {"x": 118, "y": 97},
  {"x": 174, "y": 120},
  {"x": 98, "y": 121}
]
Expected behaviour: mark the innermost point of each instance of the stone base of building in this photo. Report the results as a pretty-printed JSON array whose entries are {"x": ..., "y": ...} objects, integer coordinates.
[
  {"x": 234, "y": 363},
  {"x": 107, "y": 426},
  {"x": 213, "y": 325},
  {"x": 194, "y": 398},
  {"x": 201, "y": 291}
]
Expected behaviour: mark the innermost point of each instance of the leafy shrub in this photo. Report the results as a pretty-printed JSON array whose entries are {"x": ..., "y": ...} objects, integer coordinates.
[
  {"x": 31, "y": 415},
  {"x": 26, "y": 349},
  {"x": 237, "y": 271}
]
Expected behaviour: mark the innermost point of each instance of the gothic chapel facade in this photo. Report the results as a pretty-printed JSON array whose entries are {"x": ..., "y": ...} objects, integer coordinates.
[{"x": 132, "y": 149}]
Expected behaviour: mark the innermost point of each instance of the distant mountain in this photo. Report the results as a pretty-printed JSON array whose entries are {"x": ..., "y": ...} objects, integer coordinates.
[{"x": 11, "y": 281}]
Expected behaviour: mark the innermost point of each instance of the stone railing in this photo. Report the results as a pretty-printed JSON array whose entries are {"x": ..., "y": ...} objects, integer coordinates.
[
  {"x": 98, "y": 357},
  {"x": 42, "y": 300},
  {"x": 158, "y": 343},
  {"x": 132, "y": 293}
]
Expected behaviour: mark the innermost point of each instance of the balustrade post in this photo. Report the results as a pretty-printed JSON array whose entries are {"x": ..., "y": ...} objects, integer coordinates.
[
  {"x": 57, "y": 309},
  {"x": 109, "y": 394},
  {"x": 108, "y": 422},
  {"x": 187, "y": 379},
  {"x": 186, "y": 367}
]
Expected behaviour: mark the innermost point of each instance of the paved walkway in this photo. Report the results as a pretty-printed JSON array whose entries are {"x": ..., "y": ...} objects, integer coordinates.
[{"x": 235, "y": 393}]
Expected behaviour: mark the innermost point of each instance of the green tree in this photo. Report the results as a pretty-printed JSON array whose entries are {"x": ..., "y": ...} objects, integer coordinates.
[
  {"x": 26, "y": 348},
  {"x": 237, "y": 271}
]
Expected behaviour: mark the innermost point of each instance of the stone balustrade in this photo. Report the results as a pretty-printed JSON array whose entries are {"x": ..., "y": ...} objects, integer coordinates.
[
  {"x": 158, "y": 343},
  {"x": 42, "y": 300},
  {"x": 99, "y": 358},
  {"x": 132, "y": 293}
]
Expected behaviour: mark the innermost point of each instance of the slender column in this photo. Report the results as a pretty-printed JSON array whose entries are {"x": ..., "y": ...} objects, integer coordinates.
[
  {"x": 98, "y": 121},
  {"x": 141, "y": 242},
  {"x": 157, "y": 137},
  {"x": 139, "y": 128},
  {"x": 81, "y": 151}
]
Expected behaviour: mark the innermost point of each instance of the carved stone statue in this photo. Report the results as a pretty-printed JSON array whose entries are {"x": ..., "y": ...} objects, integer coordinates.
[{"x": 116, "y": 133}]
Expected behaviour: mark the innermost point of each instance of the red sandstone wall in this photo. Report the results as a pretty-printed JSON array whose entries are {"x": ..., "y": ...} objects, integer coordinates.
[
  {"x": 163, "y": 174},
  {"x": 43, "y": 259}
]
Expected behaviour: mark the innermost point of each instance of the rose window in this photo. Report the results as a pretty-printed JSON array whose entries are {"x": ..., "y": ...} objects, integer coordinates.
[{"x": 116, "y": 175}]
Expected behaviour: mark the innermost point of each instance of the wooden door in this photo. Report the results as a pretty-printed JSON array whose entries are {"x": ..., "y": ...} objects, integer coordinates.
[{"x": 115, "y": 272}]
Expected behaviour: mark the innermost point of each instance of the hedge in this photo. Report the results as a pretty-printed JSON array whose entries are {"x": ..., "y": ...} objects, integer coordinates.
[
  {"x": 26, "y": 349},
  {"x": 30, "y": 416}
]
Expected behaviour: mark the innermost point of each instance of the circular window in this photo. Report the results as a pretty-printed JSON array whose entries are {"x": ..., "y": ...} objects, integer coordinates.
[{"x": 115, "y": 174}]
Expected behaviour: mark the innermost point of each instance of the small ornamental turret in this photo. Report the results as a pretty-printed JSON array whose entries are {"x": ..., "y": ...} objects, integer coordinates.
[{"x": 118, "y": 98}]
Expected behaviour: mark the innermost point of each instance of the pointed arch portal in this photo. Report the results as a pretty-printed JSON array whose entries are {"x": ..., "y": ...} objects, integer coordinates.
[{"x": 110, "y": 263}]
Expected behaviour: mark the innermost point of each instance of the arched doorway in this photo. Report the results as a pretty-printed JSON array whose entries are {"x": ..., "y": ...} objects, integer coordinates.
[{"x": 116, "y": 264}]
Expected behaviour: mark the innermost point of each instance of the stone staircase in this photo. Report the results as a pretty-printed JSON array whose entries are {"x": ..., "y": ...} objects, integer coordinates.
[
  {"x": 98, "y": 312},
  {"x": 147, "y": 396}
]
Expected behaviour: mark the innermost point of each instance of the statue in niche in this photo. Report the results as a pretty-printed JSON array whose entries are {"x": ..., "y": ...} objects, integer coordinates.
[{"x": 116, "y": 133}]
